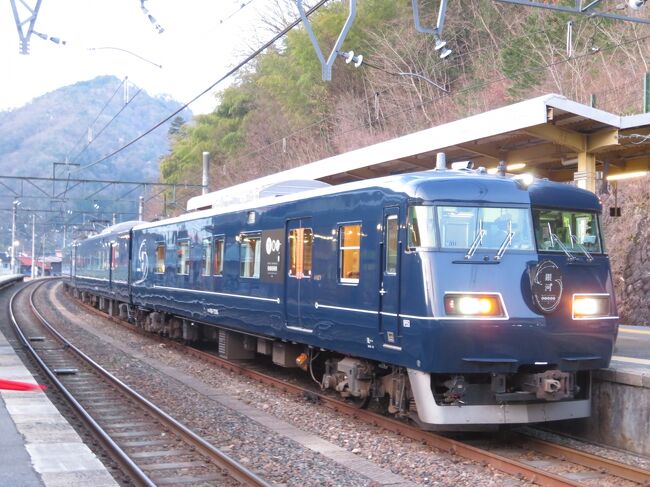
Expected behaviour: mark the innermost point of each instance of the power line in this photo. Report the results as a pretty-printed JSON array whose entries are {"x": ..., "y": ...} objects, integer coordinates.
[
  {"x": 98, "y": 115},
  {"x": 249, "y": 58},
  {"x": 97, "y": 135},
  {"x": 235, "y": 12},
  {"x": 458, "y": 64}
]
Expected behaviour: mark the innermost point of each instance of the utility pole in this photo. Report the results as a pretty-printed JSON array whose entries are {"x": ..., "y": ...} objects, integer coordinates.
[
  {"x": 141, "y": 209},
  {"x": 13, "y": 237},
  {"x": 33, "y": 246},
  {"x": 25, "y": 25}
]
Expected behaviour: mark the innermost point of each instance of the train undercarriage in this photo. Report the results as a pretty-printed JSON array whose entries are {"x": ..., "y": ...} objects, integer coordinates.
[{"x": 434, "y": 401}]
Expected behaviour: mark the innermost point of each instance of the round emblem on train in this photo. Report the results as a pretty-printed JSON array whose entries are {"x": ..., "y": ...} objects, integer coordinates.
[{"x": 546, "y": 286}]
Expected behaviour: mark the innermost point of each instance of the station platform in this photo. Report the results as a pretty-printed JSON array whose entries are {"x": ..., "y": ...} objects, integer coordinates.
[
  {"x": 620, "y": 413},
  {"x": 39, "y": 447}
]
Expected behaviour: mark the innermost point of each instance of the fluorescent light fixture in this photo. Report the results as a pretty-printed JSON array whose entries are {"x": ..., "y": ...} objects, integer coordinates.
[
  {"x": 516, "y": 166},
  {"x": 626, "y": 175},
  {"x": 526, "y": 179},
  {"x": 510, "y": 167}
]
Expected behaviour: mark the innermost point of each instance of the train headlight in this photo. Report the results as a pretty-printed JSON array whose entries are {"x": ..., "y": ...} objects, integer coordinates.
[
  {"x": 588, "y": 306},
  {"x": 488, "y": 305}
]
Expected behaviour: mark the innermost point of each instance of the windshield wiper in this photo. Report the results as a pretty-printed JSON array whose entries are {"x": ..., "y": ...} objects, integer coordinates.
[
  {"x": 555, "y": 238},
  {"x": 574, "y": 239},
  {"x": 506, "y": 242},
  {"x": 478, "y": 241}
]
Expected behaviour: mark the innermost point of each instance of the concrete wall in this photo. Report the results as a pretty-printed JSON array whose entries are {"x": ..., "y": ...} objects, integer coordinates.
[{"x": 620, "y": 411}]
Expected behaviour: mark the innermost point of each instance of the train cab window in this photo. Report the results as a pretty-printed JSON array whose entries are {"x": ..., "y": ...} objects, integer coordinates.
[
  {"x": 249, "y": 256},
  {"x": 349, "y": 253},
  {"x": 573, "y": 230},
  {"x": 160, "y": 258},
  {"x": 183, "y": 257},
  {"x": 421, "y": 227},
  {"x": 219, "y": 246},
  {"x": 390, "y": 259},
  {"x": 206, "y": 257},
  {"x": 301, "y": 241},
  {"x": 487, "y": 227}
]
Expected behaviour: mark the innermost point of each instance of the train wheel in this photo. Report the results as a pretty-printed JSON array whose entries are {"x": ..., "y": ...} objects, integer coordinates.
[{"x": 359, "y": 402}]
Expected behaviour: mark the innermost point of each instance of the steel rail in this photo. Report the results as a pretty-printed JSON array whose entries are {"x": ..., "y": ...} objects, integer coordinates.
[
  {"x": 118, "y": 455},
  {"x": 499, "y": 462},
  {"x": 618, "y": 469},
  {"x": 231, "y": 466}
]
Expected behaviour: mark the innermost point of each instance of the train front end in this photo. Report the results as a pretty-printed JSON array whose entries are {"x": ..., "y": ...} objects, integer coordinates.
[{"x": 516, "y": 306}]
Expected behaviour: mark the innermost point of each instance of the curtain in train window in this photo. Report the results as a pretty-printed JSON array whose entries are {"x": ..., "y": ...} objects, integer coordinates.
[
  {"x": 160, "y": 258},
  {"x": 219, "y": 245},
  {"x": 300, "y": 251},
  {"x": 206, "y": 257},
  {"x": 349, "y": 252},
  {"x": 390, "y": 259},
  {"x": 183, "y": 257},
  {"x": 115, "y": 254},
  {"x": 249, "y": 256}
]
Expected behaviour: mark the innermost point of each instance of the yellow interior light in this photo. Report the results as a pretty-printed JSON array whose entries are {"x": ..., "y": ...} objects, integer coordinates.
[{"x": 626, "y": 175}]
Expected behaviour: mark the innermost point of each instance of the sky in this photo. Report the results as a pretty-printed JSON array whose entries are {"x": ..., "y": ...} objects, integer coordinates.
[{"x": 202, "y": 40}]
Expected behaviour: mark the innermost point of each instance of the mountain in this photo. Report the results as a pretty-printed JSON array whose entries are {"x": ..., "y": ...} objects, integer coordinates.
[{"x": 57, "y": 127}]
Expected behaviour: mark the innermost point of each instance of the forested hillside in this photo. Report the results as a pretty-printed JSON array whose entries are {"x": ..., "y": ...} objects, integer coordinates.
[
  {"x": 280, "y": 114},
  {"x": 55, "y": 128}
]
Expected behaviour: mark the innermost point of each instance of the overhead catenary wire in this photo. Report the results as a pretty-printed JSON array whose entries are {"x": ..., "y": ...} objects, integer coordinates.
[
  {"x": 459, "y": 63},
  {"x": 98, "y": 115},
  {"x": 220, "y": 80},
  {"x": 248, "y": 59},
  {"x": 235, "y": 12},
  {"x": 99, "y": 133}
]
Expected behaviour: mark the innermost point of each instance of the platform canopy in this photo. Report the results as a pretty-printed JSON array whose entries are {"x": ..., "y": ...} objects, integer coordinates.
[{"x": 549, "y": 136}]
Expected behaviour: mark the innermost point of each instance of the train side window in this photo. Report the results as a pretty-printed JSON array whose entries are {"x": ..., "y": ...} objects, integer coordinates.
[
  {"x": 349, "y": 253},
  {"x": 160, "y": 258},
  {"x": 421, "y": 227},
  {"x": 183, "y": 257},
  {"x": 300, "y": 252},
  {"x": 219, "y": 246},
  {"x": 206, "y": 256},
  {"x": 390, "y": 259},
  {"x": 115, "y": 254},
  {"x": 249, "y": 256}
]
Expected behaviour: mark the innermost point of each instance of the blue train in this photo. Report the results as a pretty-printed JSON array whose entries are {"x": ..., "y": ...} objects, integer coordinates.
[{"x": 453, "y": 297}]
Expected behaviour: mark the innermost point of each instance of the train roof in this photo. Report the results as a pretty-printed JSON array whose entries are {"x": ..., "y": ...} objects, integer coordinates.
[
  {"x": 467, "y": 186},
  {"x": 121, "y": 227}
]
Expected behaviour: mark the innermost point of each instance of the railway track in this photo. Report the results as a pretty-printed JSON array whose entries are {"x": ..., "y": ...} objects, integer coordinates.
[
  {"x": 151, "y": 447},
  {"x": 572, "y": 467}
]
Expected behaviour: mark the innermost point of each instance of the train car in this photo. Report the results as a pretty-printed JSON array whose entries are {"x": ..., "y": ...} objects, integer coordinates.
[
  {"x": 100, "y": 265},
  {"x": 452, "y": 297}
]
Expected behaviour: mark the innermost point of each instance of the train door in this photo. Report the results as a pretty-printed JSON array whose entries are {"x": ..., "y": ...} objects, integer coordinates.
[
  {"x": 299, "y": 298},
  {"x": 389, "y": 282}
]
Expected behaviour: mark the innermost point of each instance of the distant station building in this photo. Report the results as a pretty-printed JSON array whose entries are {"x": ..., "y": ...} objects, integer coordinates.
[
  {"x": 549, "y": 136},
  {"x": 5, "y": 263},
  {"x": 45, "y": 266}
]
